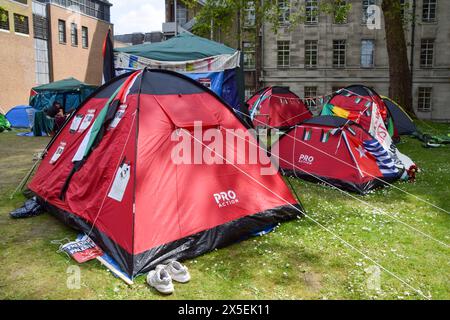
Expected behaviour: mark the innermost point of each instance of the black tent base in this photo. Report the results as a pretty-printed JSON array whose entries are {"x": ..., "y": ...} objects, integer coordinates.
[
  {"x": 362, "y": 188},
  {"x": 185, "y": 248}
]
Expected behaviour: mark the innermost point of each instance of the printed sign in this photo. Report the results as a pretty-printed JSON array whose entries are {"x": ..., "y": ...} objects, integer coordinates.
[
  {"x": 82, "y": 250},
  {"x": 87, "y": 120},
  {"x": 119, "y": 115},
  {"x": 206, "y": 82},
  {"x": 120, "y": 182},
  {"x": 76, "y": 123},
  {"x": 58, "y": 153}
]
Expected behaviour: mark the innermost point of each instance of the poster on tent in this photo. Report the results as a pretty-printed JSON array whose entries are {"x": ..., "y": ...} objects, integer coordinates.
[{"x": 378, "y": 128}]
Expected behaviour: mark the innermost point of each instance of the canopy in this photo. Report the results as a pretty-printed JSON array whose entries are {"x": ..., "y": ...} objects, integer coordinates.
[
  {"x": 66, "y": 85},
  {"x": 182, "y": 47}
]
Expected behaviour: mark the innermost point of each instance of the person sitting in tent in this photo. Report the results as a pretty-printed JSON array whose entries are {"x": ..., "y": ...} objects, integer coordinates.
[{"x": 60, "y": 119}]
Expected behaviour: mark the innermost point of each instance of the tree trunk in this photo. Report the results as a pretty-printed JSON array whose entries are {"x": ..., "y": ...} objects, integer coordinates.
[{"x": 399, "y": 73}]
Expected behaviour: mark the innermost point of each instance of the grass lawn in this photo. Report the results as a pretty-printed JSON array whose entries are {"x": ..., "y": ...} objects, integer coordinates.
[{"x": 301, "y": 260}]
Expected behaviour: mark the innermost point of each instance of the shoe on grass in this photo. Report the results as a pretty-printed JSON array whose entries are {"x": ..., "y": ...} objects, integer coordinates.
[
  {"x": 177, "y": 271},
  {"x": 160, "y": 280}
]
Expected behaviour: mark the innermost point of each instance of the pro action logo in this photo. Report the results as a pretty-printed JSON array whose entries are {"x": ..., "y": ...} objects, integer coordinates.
[
  {"x": 306, "y": 159},
  {"x": 226, "y": 199}
]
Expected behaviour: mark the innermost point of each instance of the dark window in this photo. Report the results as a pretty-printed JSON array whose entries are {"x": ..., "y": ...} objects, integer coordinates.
[
  {"x": 93, "y": 8},
  {"x": 4, "y": 19},
  {"x": 85, "y": 37},
  {"x": 425, "y": 99},
  {"x": 74, "y": 34},
  {"x": 21, "y": 24},
  {"x": 429, "y": 10},
  {"x": 62, "y": 31},
  {"x": 283, "y": 54},
  {"x": 310, "y": 53},
  {"x": 426, "y": 53},
  {"x": 312, "y": 11},
  {"x": 339, "y": 53},
  {"x": 249, "y": 14},
  {"x": 283, "y": 7},
  {"x": 249, "y": 55},
  {"x": 40, "y": 27},
  {"x": 22, "y": 1}
]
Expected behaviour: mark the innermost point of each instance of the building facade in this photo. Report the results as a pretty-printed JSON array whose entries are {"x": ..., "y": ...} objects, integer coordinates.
[
  {"x": 318, "y": 56},
  {"x": 50, "y": 40}
]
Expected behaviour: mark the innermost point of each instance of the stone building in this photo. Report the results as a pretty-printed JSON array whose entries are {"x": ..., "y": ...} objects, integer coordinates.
[{"x": 320, "y": 55}]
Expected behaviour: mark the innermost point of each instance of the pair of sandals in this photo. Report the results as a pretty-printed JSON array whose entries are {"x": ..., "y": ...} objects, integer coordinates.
[{"x": 163, "y": 276}]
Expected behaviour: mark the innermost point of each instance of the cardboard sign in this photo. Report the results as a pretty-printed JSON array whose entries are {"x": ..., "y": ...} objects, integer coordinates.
[
  {"x": 87, "y": 120},
  {"x": 82, "y": 250},
  {"x": 58, "y": 153},
  {"x": 119, "y": 115},
  {"x": 120, "y": 182},
  {"x": 76, "y": 123}
]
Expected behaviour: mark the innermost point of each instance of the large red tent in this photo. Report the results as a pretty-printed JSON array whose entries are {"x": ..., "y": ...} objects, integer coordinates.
[{"x": 110, "y": 174}]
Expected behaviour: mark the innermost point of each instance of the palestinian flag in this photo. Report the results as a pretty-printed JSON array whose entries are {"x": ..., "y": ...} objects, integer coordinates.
[{"x": 108, "y": 58}]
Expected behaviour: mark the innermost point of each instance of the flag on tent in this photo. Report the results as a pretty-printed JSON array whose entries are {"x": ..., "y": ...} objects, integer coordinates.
[{"x": 108, "y": 58}]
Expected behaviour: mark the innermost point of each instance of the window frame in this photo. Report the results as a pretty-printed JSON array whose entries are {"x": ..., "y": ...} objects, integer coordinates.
[
  {"x": 337, "y": 54},
  {"x": 311, "y": 6},
  {"x": 311, "y": 54},
  {"x": 7, "y": 22},
  {"x": 249, "y": 48},
  {"x": 84, "y": 37},
  {"x": 285, "y": 12},
  {"x": 429, "y": 11},
  {"x": 425, "y": 99},
  {"x": 74, "y": 34},
  {"x": 285, "y": 57},
  {"x": 62, "y": 34},
  {"x": 427, "y": 59},
  {"x": 372, "y": 54},
  {"x": 365, "y": 5},
  {"x": 16, "y": 26}
]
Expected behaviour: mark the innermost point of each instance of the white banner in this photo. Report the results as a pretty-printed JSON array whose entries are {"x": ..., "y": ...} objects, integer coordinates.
[{"x": 211, "y": 64}]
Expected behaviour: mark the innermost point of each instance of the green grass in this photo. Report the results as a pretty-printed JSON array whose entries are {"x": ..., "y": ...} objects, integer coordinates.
[{"x": 301, "y": 260}]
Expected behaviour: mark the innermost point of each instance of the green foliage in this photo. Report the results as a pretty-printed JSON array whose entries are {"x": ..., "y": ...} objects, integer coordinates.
[
  {"x": 3, "y": 14},
  {"x": 224, "y": 12}
]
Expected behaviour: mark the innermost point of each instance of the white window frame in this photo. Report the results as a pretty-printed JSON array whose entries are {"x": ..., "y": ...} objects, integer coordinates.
[
  {"x": 283, "y": 51},
  {"x": 427, "y": 53},
  {"x": 339, "y": 53},
  {"x": 364, "y": 54},
  {"x": 311, "y": 12},
  {"x": 429, "y": 8},
  {"x": 311, "y": 53},
  {"x": 425, "y": 99}
]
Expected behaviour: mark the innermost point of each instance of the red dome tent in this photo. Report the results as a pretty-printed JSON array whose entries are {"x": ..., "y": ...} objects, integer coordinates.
[
  {"x": 355, "y": 103},
  {"x": 335, "y": 151},
  {"x": 110, "y": 174},
  {"x": 277, "y": 107}
]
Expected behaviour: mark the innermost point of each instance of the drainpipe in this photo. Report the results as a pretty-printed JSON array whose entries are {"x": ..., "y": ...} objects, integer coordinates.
[
  {"x": 413, "y": 41},
  {"x": 175, "y": 17}
]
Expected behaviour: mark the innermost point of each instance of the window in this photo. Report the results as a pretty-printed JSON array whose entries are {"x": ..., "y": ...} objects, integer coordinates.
[
  {"x": 425, "y": 99},
  {"x": 312, "y": 11},
  {"x": 95, "y": 8},
  {"x": 283, "y": 54},
  {"x": 40, "y": 27},
  {"x": 22, "y": 1},
  {"x": 310, "y": 53},
  {"x": 249, "y": 55},
  {"x": 62, "y": 31},
  {"x": 429, "y": 10},
  {"x": 340, "y": 14},
  {"x": 4, "y": 19},
  {"x": 338, "y": 53},
  {"x": 367, "y": 53},
  {"x": 21, "y": 24},
  {"x": 42, "y": 70},
  {"x": 249, "y": 14},
  {"x": 283, "y": 7},
  {"x": 310, "y": 97},
  {"x": 84, "y": 37},
  {"x": 365, "y": 6},
  {"x": 182, "y": 14},
  {"x": 74, "y": 34},
  {"x": 426, "y": 53}
]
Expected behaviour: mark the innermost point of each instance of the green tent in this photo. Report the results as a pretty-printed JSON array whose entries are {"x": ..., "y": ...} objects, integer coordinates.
[
  {"x": 183, "y": 47},
  {"x": 4, "y": 123},
  {"x": 69, "y": 92}
]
